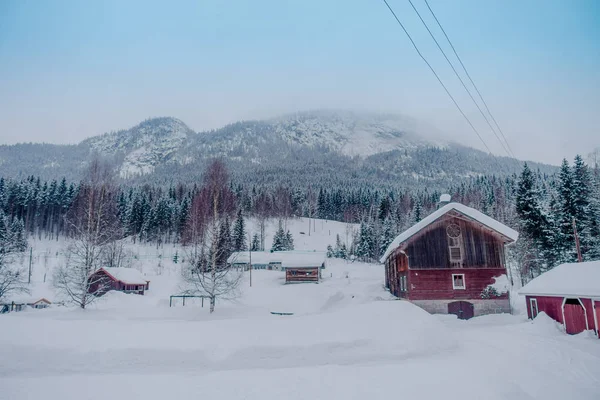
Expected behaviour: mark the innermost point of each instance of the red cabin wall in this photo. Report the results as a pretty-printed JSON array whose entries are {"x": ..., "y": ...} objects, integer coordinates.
[
  {"x": 550, "y": 305},
  {"x": 302, "y": 275},
  {"x": 437, "y": 284},
  {"x": 553, "y": 306}
]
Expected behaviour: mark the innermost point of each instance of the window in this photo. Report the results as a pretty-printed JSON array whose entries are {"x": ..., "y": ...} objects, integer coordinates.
[
  {"x": 454, "y": 243},
  {"x": 403, "y": 283},
  {"x": 533, "y": 307},
  {"x": 458, "y": 281}
]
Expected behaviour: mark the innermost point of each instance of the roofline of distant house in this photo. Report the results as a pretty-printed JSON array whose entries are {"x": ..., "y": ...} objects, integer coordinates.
[{"x": 120, "y": 280}]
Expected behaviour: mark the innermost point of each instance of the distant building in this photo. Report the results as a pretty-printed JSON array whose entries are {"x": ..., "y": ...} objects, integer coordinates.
[
  {"x": 451, "y": 262},
  {"x": 127, "y": 280},
  {"x": 279, "y": 260},
  {"x": 22, "y": 304},
  {"x": 302, "y": 274},
  {"x": 569, "y": 294}
]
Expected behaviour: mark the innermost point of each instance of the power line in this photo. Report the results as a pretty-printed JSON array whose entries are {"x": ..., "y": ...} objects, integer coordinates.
[
  {"x": 437, "y": 76},
  {"x": 460, "y": 79},
  {"x": 469, "y": 76}
]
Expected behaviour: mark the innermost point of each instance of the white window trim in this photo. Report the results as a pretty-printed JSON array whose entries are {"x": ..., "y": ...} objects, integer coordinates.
[
  {"x": 464, "y": 287},
  {"x": 537, "y": 310}
]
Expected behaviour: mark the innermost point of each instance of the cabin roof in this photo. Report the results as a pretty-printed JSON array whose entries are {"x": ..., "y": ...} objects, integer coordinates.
[
  {"x": 130, "y": 276},
  {"x": 294, "y": 258},
  {"x": 572, "y": 280},
  {"x": 510, "y": 234}
]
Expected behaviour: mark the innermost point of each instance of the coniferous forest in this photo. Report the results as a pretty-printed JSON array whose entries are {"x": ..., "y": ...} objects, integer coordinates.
[{"x": 546, "y": 209}]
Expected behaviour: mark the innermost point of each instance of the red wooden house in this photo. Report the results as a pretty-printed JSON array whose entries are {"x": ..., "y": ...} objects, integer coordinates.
[
  {"x": 451, "y": 262},
  {"x": 126, "y": 280},
  {"x": 569, "y": 294}
]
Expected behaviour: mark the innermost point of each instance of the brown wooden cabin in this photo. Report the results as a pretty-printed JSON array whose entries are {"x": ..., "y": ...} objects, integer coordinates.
[
  {"x": 447, "y": 262},
  {"x": 126, "y": 280},
  {"x": 302, "y": 274}
]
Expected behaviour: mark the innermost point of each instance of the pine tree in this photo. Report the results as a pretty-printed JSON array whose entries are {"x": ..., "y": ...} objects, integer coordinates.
[
  {"x": 365, "y": 246},
  {"x": 279, "y": 240},
  {"x": 417, "y": 211},
  {"x": 289, "y": 241},
  {"x": 585, "y": 213},
  {"x": 239, "y": 233},
  {"x": 330, "y": 253},
  {"x": 564, "y": 241},
  {"x": 255, "y": 243},
  {"x": 387, "y": 235}
]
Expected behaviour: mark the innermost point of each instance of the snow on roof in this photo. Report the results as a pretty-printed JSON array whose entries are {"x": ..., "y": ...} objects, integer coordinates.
[
  {"x": 574, "y": 279},
  {"x": 27, "y": 300},
  {"x": 126, "y": 275},
  {"x": 467, "y": 211},
  {"x": 293, "y": 258},
  {"x": 446, "y": 198}
]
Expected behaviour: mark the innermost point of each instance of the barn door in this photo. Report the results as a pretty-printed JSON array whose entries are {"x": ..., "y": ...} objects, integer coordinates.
[
  {"x": 574, "y": 316},
  {"x": 462, "y": 309}
]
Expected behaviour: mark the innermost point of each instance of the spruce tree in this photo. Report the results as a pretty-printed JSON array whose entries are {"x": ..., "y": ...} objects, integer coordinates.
[
  {"x": 564, "y": 241},
  {"x": 255, "y": 243},
  {"x": 279, "y": 239},
  {"x": 289, "y": 241},
  {"x": 239, "y": 233}
]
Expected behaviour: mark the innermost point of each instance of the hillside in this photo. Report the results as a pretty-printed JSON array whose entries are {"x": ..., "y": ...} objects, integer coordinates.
[{"x": 332, "y": 148}]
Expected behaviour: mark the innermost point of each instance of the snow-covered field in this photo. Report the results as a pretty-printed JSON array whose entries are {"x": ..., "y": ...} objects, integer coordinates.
[{"x": 347, "y": 339}]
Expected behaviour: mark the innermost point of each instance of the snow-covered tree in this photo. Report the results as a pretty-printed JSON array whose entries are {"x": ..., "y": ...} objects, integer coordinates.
[
  {"x": 365, "y": 246},
  {"x": 255, "y": 242},
  {"x": 93, "y": 223},
  {"x": 207, "y": 273},
  {"x": 12, "y": 242},
  {"x": 239, "y": 233}
]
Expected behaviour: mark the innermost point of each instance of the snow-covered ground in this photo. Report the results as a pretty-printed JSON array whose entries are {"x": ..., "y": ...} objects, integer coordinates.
[{"x": 347, "y": 339}]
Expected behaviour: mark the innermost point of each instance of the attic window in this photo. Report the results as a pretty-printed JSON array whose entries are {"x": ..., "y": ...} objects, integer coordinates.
[{"x": 454, "y": 243}]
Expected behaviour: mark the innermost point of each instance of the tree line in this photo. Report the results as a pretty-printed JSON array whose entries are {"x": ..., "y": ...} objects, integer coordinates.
[{"x": 98, "y": 212}]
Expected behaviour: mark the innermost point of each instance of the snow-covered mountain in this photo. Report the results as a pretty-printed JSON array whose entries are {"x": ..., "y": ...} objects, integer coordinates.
[
  {"x": 337, "y": 147},
  {"x": 353, "y": 133},
  {"x": 144, "y": 146}
]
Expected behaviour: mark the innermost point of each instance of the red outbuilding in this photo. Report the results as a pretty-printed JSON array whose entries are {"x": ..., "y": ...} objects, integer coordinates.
[
  {"x": 569, "y": 294},
  {"x": 126, "y": 280},
  {"x": 451, "y": 262}
]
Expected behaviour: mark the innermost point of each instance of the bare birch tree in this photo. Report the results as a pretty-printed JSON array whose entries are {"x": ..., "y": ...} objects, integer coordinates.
[
  {"x": 207, "y": 272},
  {"x": 93, "y": 224}
]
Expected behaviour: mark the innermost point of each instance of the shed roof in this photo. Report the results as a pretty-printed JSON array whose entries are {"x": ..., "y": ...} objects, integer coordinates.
[
  {"x": 126, "y": 275},
  {"x": 293, "y": 258},
  {"x": 572, "y": 279},
  {"x": 478, "y": 216}
]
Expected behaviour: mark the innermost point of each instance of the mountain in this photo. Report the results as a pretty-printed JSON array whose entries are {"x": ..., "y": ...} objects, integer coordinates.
[
  {"x": 144, "y": 146},
  {"x": 331, "y": 147}
]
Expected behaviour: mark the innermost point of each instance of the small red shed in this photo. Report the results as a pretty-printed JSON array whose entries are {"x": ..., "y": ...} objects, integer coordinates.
[
  {"x": 569, "y": 294},
  {"x": 126, "y": 280}
]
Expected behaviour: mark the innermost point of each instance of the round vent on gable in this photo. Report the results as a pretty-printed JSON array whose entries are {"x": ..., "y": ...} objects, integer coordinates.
[{"x": 453, "y": 230}]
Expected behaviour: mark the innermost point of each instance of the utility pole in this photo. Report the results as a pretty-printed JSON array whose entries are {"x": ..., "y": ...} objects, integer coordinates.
[
  {"x": 30, "y": 260},
  {"x": 579, "y": 258},
  {"x": 250, "y": 258}
]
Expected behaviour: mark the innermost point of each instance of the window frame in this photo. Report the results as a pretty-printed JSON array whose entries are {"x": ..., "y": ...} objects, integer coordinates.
[
  {"x": 464, "y": 282},
  {"x": 537, "y": 310}
]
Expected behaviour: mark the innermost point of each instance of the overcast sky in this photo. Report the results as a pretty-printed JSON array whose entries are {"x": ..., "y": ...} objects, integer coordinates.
[{"x": 74, "y": 69}]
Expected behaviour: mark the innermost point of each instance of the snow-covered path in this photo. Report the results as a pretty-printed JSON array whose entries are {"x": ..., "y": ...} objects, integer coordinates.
[{"x": 346, "y": 340}]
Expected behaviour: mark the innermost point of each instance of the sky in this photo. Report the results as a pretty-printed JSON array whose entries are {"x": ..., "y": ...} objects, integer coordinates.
[{"x": 75, "y": 69}]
